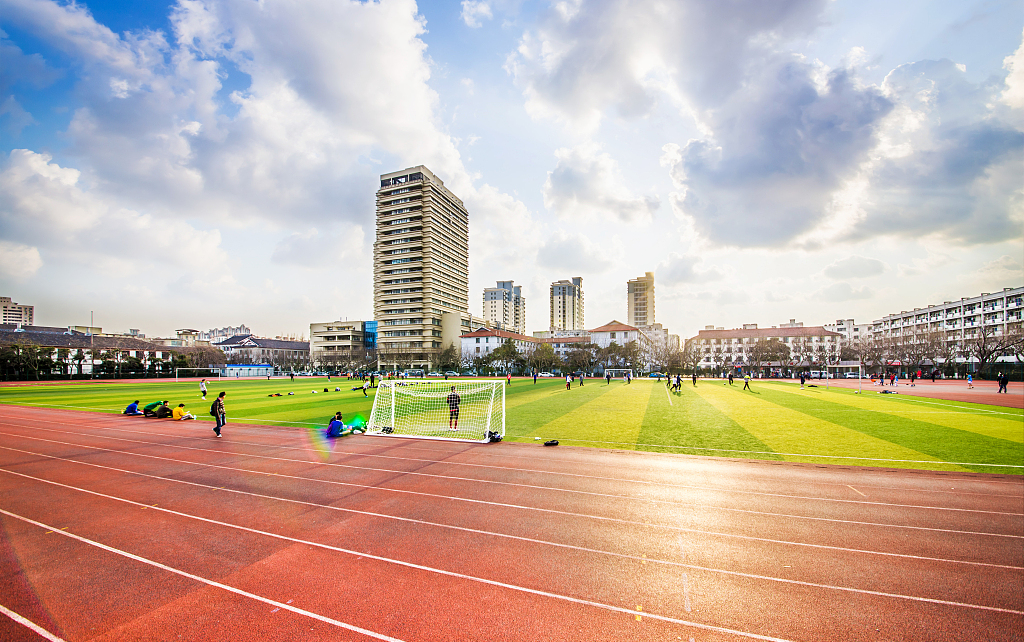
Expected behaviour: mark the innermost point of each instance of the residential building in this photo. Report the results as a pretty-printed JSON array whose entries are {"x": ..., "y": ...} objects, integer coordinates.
[
  {"x": 998, "y": 312},
  {"x": 343, "y": 344},
  {"x": 618, "y": 333},
  {"x": 505, "y": 307},
  {"x": 658, "y": 336},
  {"x": 640, "y": 300},
  {"x": 284, "y": 354},
  {"x": 566, "y": 303},
  {"x": 217, "y": 335},
  {"x": 851, "y": 331},
  {"x": 483, "y": 341},
  {"x": 79, "y": 353},
  {"x": 184, "y": 338},
  {"x": 721, "y": 348},
  {"x": 420, "y": 267},
  {"x": 16, "y": 312}
]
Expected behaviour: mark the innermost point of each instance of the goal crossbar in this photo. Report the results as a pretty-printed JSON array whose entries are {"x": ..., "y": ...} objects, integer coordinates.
[{"x": 473, "y": 411}]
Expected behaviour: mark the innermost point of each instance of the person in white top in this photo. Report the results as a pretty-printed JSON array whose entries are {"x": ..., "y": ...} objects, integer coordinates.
[
  {"x": 568, "y": 381},
  {"x": 202, "y": 388}
]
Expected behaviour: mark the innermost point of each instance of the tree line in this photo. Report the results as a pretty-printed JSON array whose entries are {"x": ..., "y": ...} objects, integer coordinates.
[{"x": 29, "y": 361}]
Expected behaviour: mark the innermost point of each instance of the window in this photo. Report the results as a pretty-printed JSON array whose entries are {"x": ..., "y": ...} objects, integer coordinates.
[{"x": 478, "y": 341}]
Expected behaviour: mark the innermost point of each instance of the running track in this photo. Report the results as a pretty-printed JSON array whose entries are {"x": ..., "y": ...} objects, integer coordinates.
[{"x": 119, "y": 528}]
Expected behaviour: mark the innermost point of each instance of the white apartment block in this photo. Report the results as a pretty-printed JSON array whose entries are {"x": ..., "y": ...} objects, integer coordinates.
[
  {"x": 618, "y": 333},
  {"x": 640, "y": 300},
  {"x": 217, "y": 335},
  {"x": 505, "y": 307},
  {"x": 961, "y": 319},
  {"x": 341, "y": 343},
  {"x": 483, "y": 341},
  {"x": 17, "y": 312},
  {"x": 566, "y": 304},
  {"x": 729, "y": 348},
  {"x": 852, "y": 332},
  {"x": 420, "y": 266}
]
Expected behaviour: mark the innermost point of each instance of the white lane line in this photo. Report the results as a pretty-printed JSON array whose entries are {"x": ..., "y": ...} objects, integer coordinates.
[
  {"x": 857, "y": 491},
  {"x": 24, "y": 621},
  {"x": 534, "y": 486},
  {"x": 419, "y": 567},
  {"x": 680, "y": 529},
  {"x": 514, "y": 587},
  {"x": 107, "y": 428},
  {"x": 530, "y": 508},
  {"x": 232, "y": 589},
  {"x": 669, "y": 396}
]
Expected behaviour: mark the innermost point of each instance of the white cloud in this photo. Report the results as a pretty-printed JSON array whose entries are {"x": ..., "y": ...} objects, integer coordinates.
[
  {"x": 475, "y": 11},
  {"x": 587, "y": 182},
  {"x": 1005, "y": 267},
  {"x": 854, "y": 267},
  {"x": 574, "y": 252},
  {"x": 685, "y": 269},
  {"x": 840, "y": 292},
  {"x": 322, "y": 251},
  {"x": 1013, "y": 95},
  {"x": 18, "y": 261}
]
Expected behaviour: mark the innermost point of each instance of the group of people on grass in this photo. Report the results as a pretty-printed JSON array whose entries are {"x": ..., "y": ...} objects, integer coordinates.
[{"x": 161, "y": 409}]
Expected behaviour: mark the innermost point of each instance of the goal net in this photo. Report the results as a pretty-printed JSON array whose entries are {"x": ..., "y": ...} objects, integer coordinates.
[
  {"x": 618, "y": 373},
  {"x": 196, "y": 373},
  {"x": 434, "y": 409}
]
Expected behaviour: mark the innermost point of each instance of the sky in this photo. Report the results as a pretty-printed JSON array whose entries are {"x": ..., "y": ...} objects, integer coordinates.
[{"x": 200, "y": 163}]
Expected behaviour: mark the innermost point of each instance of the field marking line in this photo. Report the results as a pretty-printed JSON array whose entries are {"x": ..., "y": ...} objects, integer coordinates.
[
  {"x": 530, "y": 486},
  {"x": 642, "y": 558},
  {"x": 857, "y": 491},
  {"x": 548, "y": 472},
  {"x": 667, "y": 394},
  {"x": 24, "y": 621},
  {"x": 419, "y": 567},
  {"x": 203, "y": 580},
  {"x": 514, "y": 587}
]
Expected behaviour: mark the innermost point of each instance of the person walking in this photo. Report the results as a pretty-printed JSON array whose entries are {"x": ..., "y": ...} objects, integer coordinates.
[
  {"x": 219, "y": 413},
  {"x": 535, "y": 377},
  {"x": 913, "y": 378},
  {"x": 608, "y": 377},
  {"x": 1004, "y": 382},
  {"x": 581, "y": 379},
  {"x": 202, "y": 388},
  {"x": 695, "y": 379},
  {"x": 568, "y": 382},
  {"x": 746, "y": 382},
  {"x": 508, "y": 378},
  {"x": 970, "y": 381},
  {"x": 802, "y": 380},
  {"x": 730, "y": 378}
]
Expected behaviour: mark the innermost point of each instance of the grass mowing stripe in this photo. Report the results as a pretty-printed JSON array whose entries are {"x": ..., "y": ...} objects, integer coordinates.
[
  {"x": 995, "y": 427},
  {"x": 615, "y": 413},
  {"x": 693, "y": 423},
  {"x": 873, "y": 417},
  {"x": 788, "y": 430},
  {"x": 523, "y": 420}
]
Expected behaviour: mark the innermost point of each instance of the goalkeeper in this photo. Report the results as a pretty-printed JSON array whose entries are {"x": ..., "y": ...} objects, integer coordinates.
[{"x": 453, "y": 409}]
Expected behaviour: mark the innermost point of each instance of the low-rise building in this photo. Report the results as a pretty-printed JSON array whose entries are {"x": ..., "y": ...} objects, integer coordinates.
[
  {"x": 80, "y": 353},
  {"x": 283, "y": 354},
  {"x": 721, "y": 348},
  {"x": 852, "y": 332}
]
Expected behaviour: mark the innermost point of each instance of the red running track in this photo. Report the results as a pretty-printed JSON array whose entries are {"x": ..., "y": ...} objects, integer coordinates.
[{"x": 118, "y": 528}]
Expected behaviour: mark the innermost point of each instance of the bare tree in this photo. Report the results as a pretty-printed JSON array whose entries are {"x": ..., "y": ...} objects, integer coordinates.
[{"x": 986, "y": 344}]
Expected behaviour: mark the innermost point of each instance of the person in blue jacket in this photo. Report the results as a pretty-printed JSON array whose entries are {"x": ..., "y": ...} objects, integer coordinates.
[{"x": 133, "y": 408}]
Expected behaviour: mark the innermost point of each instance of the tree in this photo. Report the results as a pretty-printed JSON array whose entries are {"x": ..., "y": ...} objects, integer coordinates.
[
  {"x": 446, "y": 359},
  {"x": 543, "y": 358},
  {"x": 506, "y": 357},
  {"x": 768, "y": 351},
  {"x": 986, "y": 344},
  {"x": 689, "y": 356},
  {"x": 582, "y": 358}
]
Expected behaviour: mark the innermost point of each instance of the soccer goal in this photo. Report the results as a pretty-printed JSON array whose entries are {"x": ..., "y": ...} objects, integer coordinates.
[
  {"x": 433, "y": 409},
  {"x": 618, "y": 373},
  {"x": 204, "y": 373}
]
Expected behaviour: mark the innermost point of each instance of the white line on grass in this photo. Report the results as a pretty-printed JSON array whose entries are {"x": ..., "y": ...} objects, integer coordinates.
[
  {"x": 667, "y": 394},
  {"x": 29, "y": 624},
  {"x": 482, "y": 580},
  {"x": 503, "y": 535},
  {"x": 531, "y": 486}
]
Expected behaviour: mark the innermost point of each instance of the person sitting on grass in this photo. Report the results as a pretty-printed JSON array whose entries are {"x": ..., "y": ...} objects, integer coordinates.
[
  {"x": 164, "y": 411},
  {"x": 337, "y": 426},
  {"x": 180, "y": 414},
  {"x": 150, "y": 409},
  {"x": 133, "y": 408}
]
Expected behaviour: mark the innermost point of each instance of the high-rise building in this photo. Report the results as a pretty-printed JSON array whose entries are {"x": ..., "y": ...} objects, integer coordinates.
[
  {"x": 505, "y": 307},
  {"x": 640, "y": 300},
  {"x": 420, "y": 267},
  {"x": 567, "y": 304},
  {"x": 16, "y": 312}
]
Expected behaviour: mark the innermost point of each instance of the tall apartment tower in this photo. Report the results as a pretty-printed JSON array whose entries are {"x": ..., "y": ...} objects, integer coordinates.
[
  {"x": 640, "y": 300},
  {"x": 567, "y": 304},
  {"x": 17, "y": 312},
  {"x": 505, "y": 307},
  {"x": 420, "y": 266}
]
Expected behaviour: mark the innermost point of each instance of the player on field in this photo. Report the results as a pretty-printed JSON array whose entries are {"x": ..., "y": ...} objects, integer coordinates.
[
  {"x": 202, "y": 388},
  {"x": 453, "y": 409}
]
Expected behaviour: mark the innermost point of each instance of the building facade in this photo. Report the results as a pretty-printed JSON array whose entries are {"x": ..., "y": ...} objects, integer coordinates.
[
  {"x": 283, "y": 354},
  {"x": 726, "y": 349},
  {"x": 505, "y": 307},
  {"x": 16, "y": 312},
  {"x": 640, "y": 300},
  {"x": 343, "y": 344},
  {"x": 420, "y": 266},
  {"x": 997, "y": 313},
  {"x": 852, "y": 332},
  {"x": 217, "y": 335},
  {"x": 566, "y": 304}
]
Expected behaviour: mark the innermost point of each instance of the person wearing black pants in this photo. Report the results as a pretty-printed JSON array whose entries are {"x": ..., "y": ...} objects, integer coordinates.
[{"x": 219, "y": 413}]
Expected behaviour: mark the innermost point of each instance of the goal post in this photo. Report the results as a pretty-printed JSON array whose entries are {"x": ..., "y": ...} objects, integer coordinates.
[
  {"x": 432, "y": 409},
  {"x": 618, "y": 373},
  {"x": 202, "y": 373}
]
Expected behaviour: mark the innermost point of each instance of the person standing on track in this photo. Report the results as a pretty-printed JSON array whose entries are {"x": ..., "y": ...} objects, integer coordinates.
[
  {"x": 746, "y": 382},
  {"x": 219, "y": 413},
  {"x": 970, "y": 381},
  {"x": 202, "y": 388},
  {"x": 453, "y": 409}
]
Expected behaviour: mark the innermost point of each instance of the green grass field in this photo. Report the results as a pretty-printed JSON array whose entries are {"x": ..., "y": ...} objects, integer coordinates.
[{"x": 777, "y": 421}]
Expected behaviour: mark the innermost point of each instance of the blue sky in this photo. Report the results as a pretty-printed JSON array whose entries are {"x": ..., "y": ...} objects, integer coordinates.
[{"x": 200, "y": 163}]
